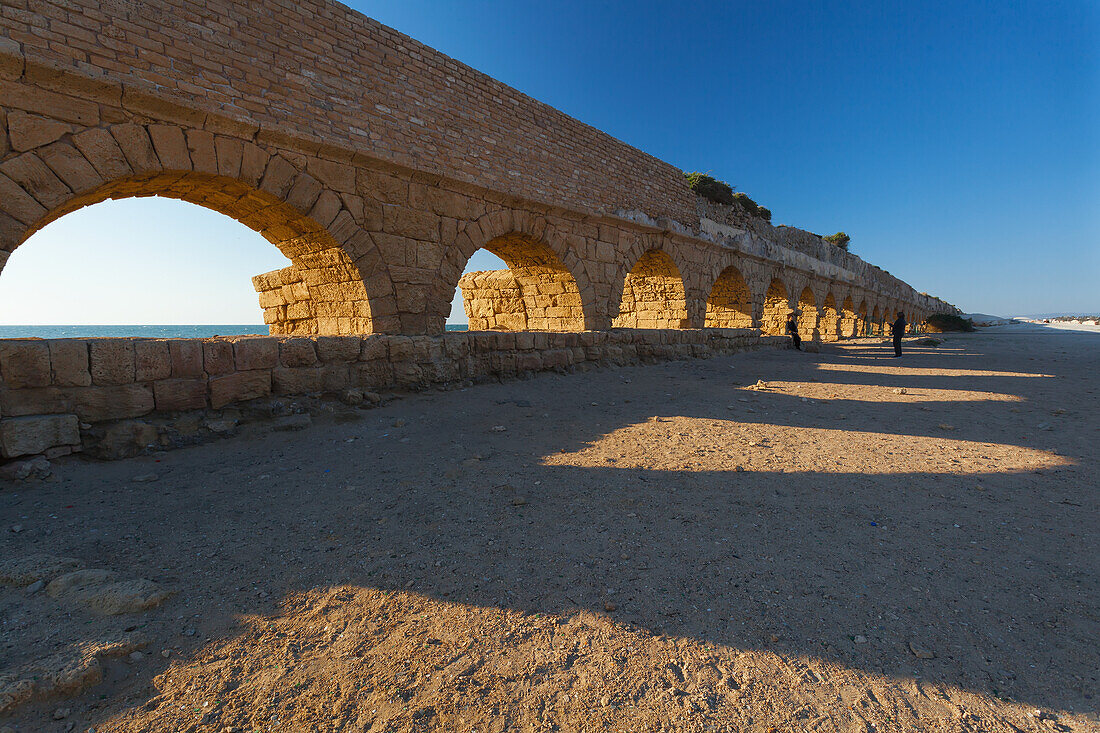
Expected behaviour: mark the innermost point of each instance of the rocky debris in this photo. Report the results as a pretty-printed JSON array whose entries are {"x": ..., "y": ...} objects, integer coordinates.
[
  {"x": 33, "y": 468},
  {"x": 39, "y": 567},
  {"x": 920, "y": 652},
  {"x": 63, "y": 674},
  {"x": 290, "y": 423},
  {"x": 221, "y": 426},
  {"x": 352, "y": 396},
  {"x": 145, "y": 478},
  {"x": 900, "y": 390},
  {"x": 103, "y": 592}
]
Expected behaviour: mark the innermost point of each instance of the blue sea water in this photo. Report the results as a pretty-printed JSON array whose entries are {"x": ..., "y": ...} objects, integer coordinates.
[{"x": 144, "y": 331}]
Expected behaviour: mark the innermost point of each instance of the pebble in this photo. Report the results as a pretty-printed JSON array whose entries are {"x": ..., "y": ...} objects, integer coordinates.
[
  {"x": 166, "y": 653},
  {"x": 35, "y": 587},
  {"x": 61, "y": 713},
  {"x": 920, "y": 652},
  {"x": 17, "y": 528},
  {"x": 519, "y": 501},
  {"x": 399, "y": 423},
  {"x": 136, "y": 656},
  {"x": 901, "y": 390},
  {"x": 498, "y": 429},
  {"x": 609, "y": 606},
  {"x": 145, "y": 478},
  {"x": 860, "y": 639}
]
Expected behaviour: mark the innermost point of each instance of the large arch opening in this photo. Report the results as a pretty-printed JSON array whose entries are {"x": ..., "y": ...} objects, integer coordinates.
[
  {"x": 849, "y": 320},
  {"x": 777, "y": 307},
  {"x": 322, "y": 291},
  {"x": 862, "y": 327},
  {"x": 876, "y": 321},
  {"x": 807, "y": 314},
  {"x": 150, "y": 267},
  {"x": 532, "y": 292},
  {"x": 830, "y": 319},
  {"x": 653, "y": 294},
  {"x": 730, "y": 301}
]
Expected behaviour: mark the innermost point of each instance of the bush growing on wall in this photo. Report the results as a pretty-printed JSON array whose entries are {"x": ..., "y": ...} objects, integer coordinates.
[
  {"x": 721, "y": 192},
  {"x": 710, "y": 188},
  {"x": 840, "y": 239}
]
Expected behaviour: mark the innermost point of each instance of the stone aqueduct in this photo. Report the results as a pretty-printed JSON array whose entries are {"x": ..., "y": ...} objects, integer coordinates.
[{"x": 378, "y": 166}]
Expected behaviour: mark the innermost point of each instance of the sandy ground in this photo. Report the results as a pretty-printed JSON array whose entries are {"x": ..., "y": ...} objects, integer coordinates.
[{"x": 866, "y": 544}]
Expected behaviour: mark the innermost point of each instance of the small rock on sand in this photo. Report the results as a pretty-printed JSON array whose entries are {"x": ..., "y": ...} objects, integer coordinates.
[
  {"x": 920, "y": 652},
  {"x": 103, "y": 592},
  {"x": 29, "y": 569}
]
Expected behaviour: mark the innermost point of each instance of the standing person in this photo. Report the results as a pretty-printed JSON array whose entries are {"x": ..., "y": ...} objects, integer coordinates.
[
  {"x": 898, "y": 330},
  {"x": 792, "y": 329}
]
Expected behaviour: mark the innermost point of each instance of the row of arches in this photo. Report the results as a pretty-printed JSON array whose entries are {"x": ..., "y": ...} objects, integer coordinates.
[
  {"x": 537, "y": 293},
  {"x": 367, "y": 255}
]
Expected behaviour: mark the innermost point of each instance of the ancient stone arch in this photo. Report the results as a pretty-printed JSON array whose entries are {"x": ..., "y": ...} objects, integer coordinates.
[
  {"x": 863, "y": 327},
  {"x": 777, "y": 307},
  {"x": 730, "y": 302},
  {"x": 653, "y": 294},
  {"x": 876, "y": 321},
  {"x": 324, "y": 291},
  {"x": 545, "y": 287},
  {"x": 807, "y": 314},
  {"x": 848, "y": 319},
  {"x": 830, "y": 319}
]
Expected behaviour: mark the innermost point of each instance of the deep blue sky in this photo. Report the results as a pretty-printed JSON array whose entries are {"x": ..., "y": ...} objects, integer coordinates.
[{"x": 957, "y": 143}]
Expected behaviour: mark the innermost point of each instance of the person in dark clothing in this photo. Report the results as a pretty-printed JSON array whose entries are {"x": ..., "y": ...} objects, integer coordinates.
[
  {"x": 792, "y": 329},
  {"x": 897, "y": 331}
]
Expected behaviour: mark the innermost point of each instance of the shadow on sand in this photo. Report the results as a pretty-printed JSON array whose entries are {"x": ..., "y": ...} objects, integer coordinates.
[{"x": 995, "y": 570}]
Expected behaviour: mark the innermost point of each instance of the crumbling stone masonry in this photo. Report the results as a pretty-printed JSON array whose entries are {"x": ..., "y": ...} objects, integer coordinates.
[{"x": 378, "y": 166}]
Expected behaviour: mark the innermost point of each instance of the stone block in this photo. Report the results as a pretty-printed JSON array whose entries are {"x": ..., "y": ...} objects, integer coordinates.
[
  {"x": 112, "y": 361},
  {"x": 152, "y": 361},
  {"x": 297, "y": 352},
  {"x": 69, "y": 363},
  {"x": 298, "y": 381},
  {"x": 375, "y": 374},
  {"x": 28, "y": 132},
  {"x": 25, "y": 363},
  {"x": 256, "y": 353},
  {"x": 96, "y": 404},
  {"x": 25, "y": 436},
  {"x": 239, "y": 387},
  {"x": 173, "y": 395},
  {"x": 374, "y": 347},
  {"x": 217, "y": 357},
  {"x": 339, "y": 348},
  {"x": 186, "y": 357},
  {"x": 335, "y": 377},
  {"x": 36, "y": 401}
]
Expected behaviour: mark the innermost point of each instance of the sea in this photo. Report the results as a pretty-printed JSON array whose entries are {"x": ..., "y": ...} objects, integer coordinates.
[{"x": 203, "y": 330}]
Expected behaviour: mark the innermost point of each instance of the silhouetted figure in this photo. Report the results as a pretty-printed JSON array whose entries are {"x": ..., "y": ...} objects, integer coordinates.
[
  {"x": 898, "y": 330},
  {"x": 792, "y": 329}
]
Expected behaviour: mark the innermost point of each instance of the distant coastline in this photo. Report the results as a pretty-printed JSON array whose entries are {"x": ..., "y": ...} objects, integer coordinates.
[{"x": 145, "y": 331}]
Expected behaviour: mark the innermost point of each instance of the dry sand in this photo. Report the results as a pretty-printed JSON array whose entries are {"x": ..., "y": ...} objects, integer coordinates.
[{"x": 646, "y": 548}]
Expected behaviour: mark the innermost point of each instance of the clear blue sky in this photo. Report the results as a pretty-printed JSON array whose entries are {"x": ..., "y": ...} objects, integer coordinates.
[{"x": 958, "y": 143}]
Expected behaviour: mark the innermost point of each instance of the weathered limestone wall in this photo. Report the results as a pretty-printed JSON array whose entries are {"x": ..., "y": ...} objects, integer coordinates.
[
  {"x": 376, "y": 165},
  {"x": 65, "y": 395},
  {"x": 653, "y": 295},
  {"x": 493, "y": 301}
]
